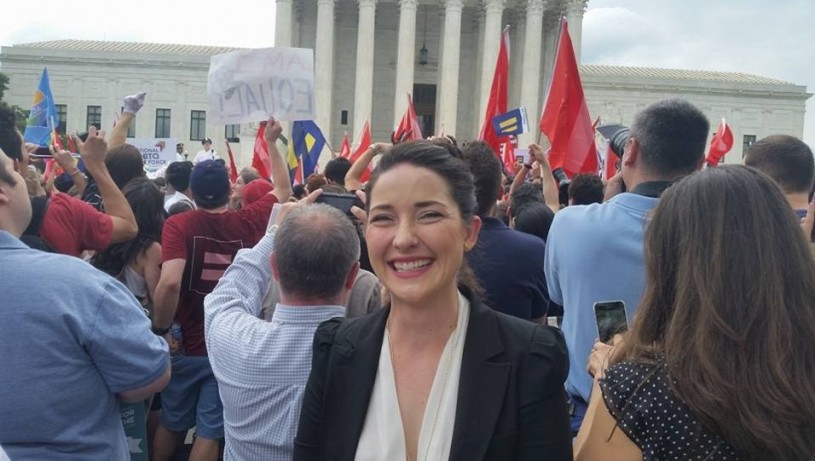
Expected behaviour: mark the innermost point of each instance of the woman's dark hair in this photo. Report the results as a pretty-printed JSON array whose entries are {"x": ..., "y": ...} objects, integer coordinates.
[
  {"x": 124, "y": 163},
  {"x": 298, "y": 191},
  {"x": 147, "y": 203},
  {"x": 728, "y": 306},
  {"x": 181, "y": 206},
  {"x": 535, "y": 219},
  {"x": 453, "y": 171}
]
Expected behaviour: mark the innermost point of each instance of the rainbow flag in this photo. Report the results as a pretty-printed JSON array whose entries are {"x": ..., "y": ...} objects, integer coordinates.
[
  {"x": 43, "y": 119},
  {"x": 305, "y": 146}
]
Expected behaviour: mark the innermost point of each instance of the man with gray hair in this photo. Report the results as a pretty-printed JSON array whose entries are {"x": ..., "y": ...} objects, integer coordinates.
[{"x": 312, "y": 251}]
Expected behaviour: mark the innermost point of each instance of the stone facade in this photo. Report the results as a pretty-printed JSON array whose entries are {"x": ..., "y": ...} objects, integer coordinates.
[{"x": 87, "y": 73}]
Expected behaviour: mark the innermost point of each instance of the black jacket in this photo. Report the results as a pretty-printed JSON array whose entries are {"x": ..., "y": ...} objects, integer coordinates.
[{"x": 511, "y": 400}]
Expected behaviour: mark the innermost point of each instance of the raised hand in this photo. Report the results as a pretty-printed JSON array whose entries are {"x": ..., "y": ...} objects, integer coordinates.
[
  {"x": 273, "y": 131},
  {"x": 94, "y": 149}
]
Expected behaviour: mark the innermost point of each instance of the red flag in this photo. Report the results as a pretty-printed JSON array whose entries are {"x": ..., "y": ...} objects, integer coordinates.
[
  {"x": 364, "y": 144},
  {"x": 508, "y": 156},
  {"x": 610, "y": 162},
  {"x": 721, "y": 144},
  {"x": 408, "y": 128},
  {"x": 71, "y": 145},
  {"x": 497, "y": 103},
  {"x": 345, "y": 149},
  {"x": 565, "y": 117},
  {"x": 260, "y": 154},
  {"x": 233, "y": 170},
  {"x": 50, "y": 165}
]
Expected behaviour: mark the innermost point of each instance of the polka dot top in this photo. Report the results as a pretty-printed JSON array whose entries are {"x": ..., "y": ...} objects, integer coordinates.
[{"x": 640, "y": 400}]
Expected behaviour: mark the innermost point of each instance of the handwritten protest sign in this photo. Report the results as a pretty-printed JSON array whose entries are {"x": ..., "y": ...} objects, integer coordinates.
[
  {"x": 156, "y": 152},
  {"x": 251, "y": 85}
]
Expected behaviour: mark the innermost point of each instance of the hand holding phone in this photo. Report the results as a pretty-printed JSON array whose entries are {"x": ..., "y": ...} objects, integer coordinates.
[{"x": 611, "y": 319}]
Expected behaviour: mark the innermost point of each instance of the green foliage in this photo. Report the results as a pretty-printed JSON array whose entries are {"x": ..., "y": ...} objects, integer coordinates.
[
  {"x": 20, "y": 114},
  {"x": 3, "y": 84}
]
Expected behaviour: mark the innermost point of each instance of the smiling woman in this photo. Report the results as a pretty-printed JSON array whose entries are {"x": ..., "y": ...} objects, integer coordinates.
[{"x": 436, "y": 374}]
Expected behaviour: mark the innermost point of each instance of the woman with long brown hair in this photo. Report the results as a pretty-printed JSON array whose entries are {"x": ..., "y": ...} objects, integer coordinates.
[{"x": 720, "y": 363}]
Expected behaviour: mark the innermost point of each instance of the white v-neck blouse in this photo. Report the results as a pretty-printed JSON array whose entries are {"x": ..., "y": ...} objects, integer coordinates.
[{"x": 383, "y": 436}]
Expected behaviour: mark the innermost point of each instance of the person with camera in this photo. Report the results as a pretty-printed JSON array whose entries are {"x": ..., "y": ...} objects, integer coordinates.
[
  {"x": 595, "y": 252},
  {"x": 718, "y": 365}
]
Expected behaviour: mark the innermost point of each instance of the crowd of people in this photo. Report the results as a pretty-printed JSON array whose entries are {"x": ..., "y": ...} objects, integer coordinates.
[{"x": 448, "y": 314}]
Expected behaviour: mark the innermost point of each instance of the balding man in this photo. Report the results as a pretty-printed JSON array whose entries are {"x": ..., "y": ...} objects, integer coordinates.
[{"x": 262, "y": 367}]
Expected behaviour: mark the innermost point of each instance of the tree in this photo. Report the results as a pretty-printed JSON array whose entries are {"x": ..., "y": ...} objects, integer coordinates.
[
  {"x": 3, "y": 84},
  {"x": 20, "y": 114}
]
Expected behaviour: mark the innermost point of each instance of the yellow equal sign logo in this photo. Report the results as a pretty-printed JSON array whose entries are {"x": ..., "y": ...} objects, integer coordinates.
[{"x": 510, "y": 124}]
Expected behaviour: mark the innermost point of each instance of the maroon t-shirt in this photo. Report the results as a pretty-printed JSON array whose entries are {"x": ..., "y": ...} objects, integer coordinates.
[{"x": 208, "y": 243}]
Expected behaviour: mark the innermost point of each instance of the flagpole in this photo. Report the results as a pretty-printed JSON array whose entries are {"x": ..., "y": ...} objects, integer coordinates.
[{"x": 333, "y": 153}]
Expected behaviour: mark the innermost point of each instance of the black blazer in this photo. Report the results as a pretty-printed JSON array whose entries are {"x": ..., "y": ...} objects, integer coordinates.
[{"x": 511, "y": 400}]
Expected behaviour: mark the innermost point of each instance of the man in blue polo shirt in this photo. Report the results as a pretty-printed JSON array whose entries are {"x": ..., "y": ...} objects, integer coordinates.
[
  {"x": 75, "y": 342},
  {"x": 595, "y": 252},
  {"x": 508, "y": 264}
]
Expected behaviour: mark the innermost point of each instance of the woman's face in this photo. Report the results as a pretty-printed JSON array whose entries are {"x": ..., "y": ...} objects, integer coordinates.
[
  {"x": 237, "y": 189},
  {"x": 416, "y": 235}
]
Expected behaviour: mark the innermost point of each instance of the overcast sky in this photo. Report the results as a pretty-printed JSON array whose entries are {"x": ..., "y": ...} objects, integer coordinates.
[{"x": 767, "y": 38}]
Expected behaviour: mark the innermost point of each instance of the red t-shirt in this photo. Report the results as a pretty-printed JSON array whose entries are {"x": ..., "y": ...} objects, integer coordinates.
[
  {"x": 71, "y": 226},
  {"x": 208, "y": 243}
]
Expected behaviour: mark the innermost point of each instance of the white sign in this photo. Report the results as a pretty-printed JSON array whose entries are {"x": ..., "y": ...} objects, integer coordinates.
[
  {"x": 252, "y": 85},
  {"x": 522, "y": 154},
  {"x": 155, "y": 152}
]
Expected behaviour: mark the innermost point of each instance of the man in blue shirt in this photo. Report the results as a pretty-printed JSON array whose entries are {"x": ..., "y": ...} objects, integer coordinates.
[
  {"x": 595, "y": 252},
  {"x": 507, "y": 263},
  {"x": 75, "y": 342},
  {"x": 262, "y": 367}
]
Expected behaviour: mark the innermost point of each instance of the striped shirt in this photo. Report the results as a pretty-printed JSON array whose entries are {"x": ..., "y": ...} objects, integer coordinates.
[{"x": 261, "y": 367}]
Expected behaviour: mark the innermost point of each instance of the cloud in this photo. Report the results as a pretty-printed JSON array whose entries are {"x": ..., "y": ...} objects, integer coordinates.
[
  {"x": 248, "y": 24},
  {"x": 771, "y": 39}
]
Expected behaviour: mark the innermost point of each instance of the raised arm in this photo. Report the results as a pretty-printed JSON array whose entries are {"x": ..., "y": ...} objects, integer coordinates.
[
  {"x": 519, "y": 179},
  {"x": 550, "y": 189},
  {"x": 118, "y": 135},
  {"x": 353, "y": 179},
  {"x": 66, "y": 161},
  {"x": 93, "y": 152},
  {"x": 280, "y": 172}
]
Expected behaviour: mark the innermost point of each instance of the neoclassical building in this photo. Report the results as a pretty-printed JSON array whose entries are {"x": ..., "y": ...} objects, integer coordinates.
[{"x": 369, "y": 54}]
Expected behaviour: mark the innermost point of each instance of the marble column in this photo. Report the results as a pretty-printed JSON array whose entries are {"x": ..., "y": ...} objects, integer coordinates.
[
  {"x": 283, "y": 23},
  {"x": 324, "y": 65},
  {"x": 531, "y": 74},
  {"x": 574, "y": 14},
  {"x": 405, "y": 57},
  {"x": 363, "y": 90},
  {"x": 551, "y": 32},
  {"x": 451, "y": 49},
  {"x": 492, "y": 43}
]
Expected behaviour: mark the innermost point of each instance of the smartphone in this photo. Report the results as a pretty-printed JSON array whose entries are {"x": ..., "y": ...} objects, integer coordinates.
[
  {"x": 611, "y": 320},
  {"x": 342, "y": 202}
]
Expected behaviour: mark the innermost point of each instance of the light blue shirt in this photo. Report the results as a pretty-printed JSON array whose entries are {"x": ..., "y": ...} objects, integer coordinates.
[
  {"x": 261, "y": 367},
  {"x": 595, "y": 253},
  {"x": 72, "y": 338}
]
